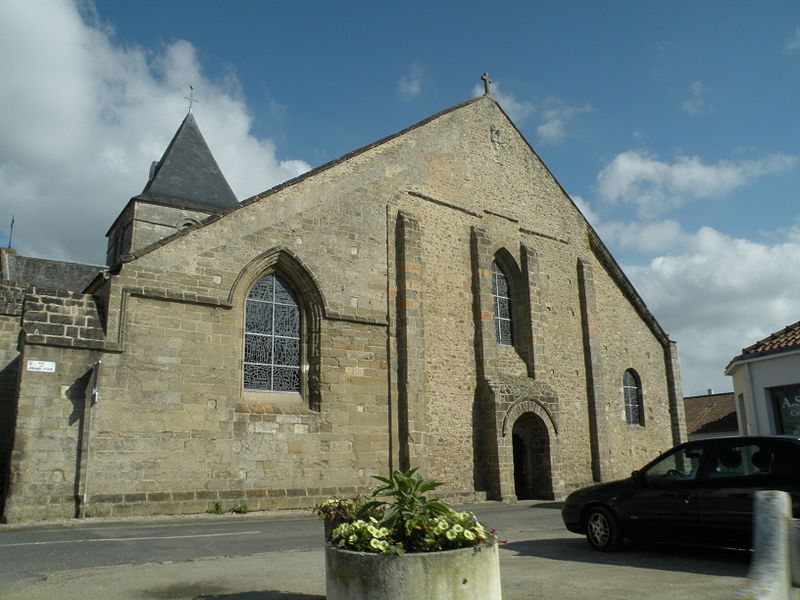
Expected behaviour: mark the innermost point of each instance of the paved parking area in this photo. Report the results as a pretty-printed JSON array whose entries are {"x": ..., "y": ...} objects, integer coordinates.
[
  {"x": 554, "y": 566},
  {"x": 541, "y": 560}
]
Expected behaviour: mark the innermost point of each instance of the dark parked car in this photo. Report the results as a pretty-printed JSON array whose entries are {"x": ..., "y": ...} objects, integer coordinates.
[{"x": 697, "y": 492}]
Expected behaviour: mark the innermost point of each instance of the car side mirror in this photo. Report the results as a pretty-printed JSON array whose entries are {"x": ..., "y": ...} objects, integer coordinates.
[{"x": 638, "y": 477}]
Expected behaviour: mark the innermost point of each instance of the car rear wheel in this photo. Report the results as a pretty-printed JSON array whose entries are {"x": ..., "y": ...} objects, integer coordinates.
[{"x": 602, "y": 530}]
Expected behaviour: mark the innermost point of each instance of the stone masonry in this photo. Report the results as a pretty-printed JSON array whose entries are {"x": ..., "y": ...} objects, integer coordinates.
[{"x": 127, "y": 399}]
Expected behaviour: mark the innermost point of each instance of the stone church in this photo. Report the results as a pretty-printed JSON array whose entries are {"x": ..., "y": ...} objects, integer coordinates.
[{"x": 432, "y": 300}]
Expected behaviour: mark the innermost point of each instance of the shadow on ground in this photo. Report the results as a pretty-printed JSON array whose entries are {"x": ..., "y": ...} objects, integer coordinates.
[
  {"x": 210, "y": 591},
  {"x": 262, "y": 595},
  {"x": 545, "y": 504},
  {"x": 665, "y": 557}
]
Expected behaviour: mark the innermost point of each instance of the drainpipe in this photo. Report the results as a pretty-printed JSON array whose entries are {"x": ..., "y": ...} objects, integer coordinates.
[
  {"x": 87, "y": 430},
  {"x": 753, "y": 406}
]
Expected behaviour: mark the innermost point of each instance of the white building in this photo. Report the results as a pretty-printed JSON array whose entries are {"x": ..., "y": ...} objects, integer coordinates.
[{"x": 766, "y": 381}]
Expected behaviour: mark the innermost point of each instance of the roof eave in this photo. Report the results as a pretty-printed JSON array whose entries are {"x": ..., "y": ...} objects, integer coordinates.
[{"x": 750, "y": 358}]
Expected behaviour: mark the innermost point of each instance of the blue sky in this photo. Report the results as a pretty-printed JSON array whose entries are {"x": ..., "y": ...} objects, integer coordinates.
[{"x": 672, "y": 125}]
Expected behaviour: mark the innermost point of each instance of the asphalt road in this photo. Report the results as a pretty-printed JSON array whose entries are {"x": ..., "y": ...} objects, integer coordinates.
[
  {"x": 35, "y": 553},
  {"x": 279, "y": 556}
]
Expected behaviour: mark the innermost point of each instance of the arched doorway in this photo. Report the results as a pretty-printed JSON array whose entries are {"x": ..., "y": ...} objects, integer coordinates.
[{"x": 532, "y": 471}]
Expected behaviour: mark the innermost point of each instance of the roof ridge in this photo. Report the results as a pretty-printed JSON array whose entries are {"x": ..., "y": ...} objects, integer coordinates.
[
  {"x": 323, "y": 167},
  {"x": 776, "y": 335},
  {"x": 708, "y": 395}
]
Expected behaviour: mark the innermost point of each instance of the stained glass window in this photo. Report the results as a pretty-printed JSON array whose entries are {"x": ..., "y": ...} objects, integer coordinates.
[
  {"x": 502, "y": 307},
  {"x": 631, "y": 388},
  {"x": 272, "y": 338}
]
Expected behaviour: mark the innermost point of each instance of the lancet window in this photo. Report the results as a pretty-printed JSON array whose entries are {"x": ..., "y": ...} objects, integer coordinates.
[
  {"x": 272, "y": 337},
  {"x": 632, "y": 391},
  {"x": 502, "y": 307}
]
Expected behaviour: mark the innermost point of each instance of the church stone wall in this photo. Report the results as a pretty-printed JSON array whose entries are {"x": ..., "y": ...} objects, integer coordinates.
[
  {"x": 47, "y": 445},
  {"x": 11, "y": 301},
  {"x": 450, "y": 363},
  {"x": 152, "y": 223},
  {"x": 628, "y": 343},
  {"x": 393, "y": 249},
  {"x": 173, "y": 432}
]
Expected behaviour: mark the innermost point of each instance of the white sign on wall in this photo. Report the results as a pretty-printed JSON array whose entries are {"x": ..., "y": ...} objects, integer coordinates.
[{"x": 41, "y": 366}]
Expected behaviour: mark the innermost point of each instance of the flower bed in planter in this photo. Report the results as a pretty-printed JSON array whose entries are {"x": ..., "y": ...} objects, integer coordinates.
[{"x": 407, "y": 548}]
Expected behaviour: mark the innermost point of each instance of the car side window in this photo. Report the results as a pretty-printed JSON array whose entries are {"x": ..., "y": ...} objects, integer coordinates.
[
  {"x": 780, "y": 461},
  {"x": 785, "y": 461},
  {"x": 757, "y": 460},
  {"x": 681, "y": 465}
]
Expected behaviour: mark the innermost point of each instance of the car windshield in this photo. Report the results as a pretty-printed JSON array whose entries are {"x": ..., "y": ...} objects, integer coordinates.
[{"x": 680, "y": 465}]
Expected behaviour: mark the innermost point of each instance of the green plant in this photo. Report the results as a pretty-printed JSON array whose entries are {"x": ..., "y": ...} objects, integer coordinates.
[
  {"x": 337, "y": 510},
  {"x": 216, "y": 509},
  {"x": 401, "y": 518},
  {"x": 239, "y": 509},
  {"x": 409, "y": 511}
]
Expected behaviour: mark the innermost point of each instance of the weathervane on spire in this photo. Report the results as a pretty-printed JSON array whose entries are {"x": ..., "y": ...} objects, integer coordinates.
[
  {"x": 191, "y": 97},
  {"x": 486, "y": 82}
]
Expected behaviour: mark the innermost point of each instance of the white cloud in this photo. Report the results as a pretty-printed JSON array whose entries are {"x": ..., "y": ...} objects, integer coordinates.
[
  {"x": 517, "y": 110},
  {"x": 556, "y": 117},
  {"x": 658, "y": 236},
  {"x": 552, "y": 131},
  {"x": 714, "y": 294},
  {"x": 586, "y": 209},
  {"x": 410, "y": 86},
  {"x": 647, "y": 237},
  {"x": 655, "y": 186},
  {"x": 793, "y": 43},
  {"x": 696, "y": 103},
  {"x": 82, "y": 119},
  {"x": 718, "y": 295}
]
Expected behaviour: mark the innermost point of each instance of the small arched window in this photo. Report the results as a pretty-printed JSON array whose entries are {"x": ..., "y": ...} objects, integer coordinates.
[
  {"x": 272, "y": 338},
  {"x": 632, "y": 391},
  {"x": 501, "y": 294}
]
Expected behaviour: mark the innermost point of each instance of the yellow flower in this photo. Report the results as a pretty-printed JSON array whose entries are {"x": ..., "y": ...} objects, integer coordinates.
[
  {"x": 451, "y": 535},
  {"x": 469, "y": 535}
]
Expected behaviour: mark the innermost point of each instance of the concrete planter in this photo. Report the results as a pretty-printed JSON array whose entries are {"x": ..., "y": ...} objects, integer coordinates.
[{"x": 463, "y": 574}]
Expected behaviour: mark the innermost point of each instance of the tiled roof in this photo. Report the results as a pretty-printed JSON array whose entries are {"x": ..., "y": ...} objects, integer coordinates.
[
  {"x": 51, "y": 274},
  {"x": 710, "y": 413},
  {"x": 785, "y": 339}
]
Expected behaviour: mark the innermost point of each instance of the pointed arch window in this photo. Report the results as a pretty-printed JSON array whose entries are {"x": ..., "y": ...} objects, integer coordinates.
[
  {"x": 632, "y": 391},
  {"x": 272, "y": 337},
  {"x": 503, "y": 325}
]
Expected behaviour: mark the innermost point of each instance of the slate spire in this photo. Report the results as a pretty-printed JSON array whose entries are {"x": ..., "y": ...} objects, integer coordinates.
[{"x": 187, "y": 175}]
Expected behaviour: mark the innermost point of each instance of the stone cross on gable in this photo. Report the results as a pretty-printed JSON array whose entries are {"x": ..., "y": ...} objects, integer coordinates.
[{"x": 486, "y": 82}]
